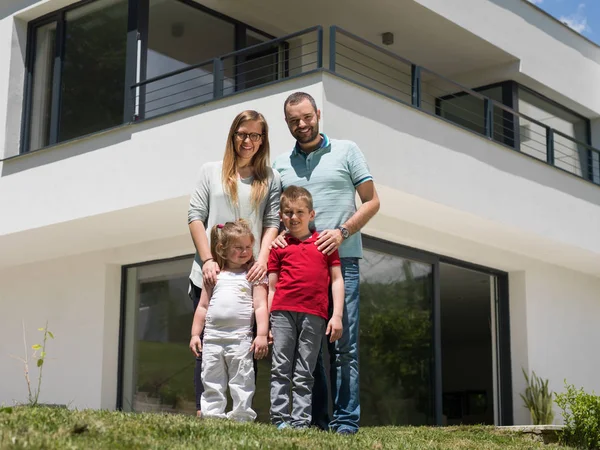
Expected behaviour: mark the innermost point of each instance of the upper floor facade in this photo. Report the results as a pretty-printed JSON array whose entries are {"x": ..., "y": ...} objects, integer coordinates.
[{"x": 480, "y": 120}]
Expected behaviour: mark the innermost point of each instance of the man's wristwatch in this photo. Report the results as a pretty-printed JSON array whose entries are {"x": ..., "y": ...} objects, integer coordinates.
[{"x": 345, "y": 232}]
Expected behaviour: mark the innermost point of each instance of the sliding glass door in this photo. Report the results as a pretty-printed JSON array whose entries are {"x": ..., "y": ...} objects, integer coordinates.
[
  {"x": 434, "y": 343},
  {"x": 396, "y": 340}
]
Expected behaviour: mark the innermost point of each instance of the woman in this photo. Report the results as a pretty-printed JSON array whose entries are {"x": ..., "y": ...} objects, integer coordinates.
[{"x": 241, "y": 186}]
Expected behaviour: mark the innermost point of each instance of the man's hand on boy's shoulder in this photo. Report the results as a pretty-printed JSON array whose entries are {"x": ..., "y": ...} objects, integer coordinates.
[
  {"x": 334, "y": 328},
  {"x": 329, "y": 241}
]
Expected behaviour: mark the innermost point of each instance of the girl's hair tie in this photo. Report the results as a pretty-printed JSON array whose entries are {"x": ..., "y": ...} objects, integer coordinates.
[{"x": 220, "y": 226}]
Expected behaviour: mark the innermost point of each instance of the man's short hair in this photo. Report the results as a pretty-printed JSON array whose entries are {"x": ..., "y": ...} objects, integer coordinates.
[
  {"x": 294, "y": 194},
  {"x": 298, "y": 97}
]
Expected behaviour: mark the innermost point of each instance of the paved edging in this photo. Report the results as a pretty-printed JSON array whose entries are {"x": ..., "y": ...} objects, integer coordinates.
[{"x": 542, "y": 433}]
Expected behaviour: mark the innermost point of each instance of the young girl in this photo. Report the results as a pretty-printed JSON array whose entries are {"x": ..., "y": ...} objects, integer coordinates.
[{"x": 225, "y": 314}]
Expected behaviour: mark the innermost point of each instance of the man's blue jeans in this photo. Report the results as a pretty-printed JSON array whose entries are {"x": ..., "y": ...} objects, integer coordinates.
[{"x": 343, "y": 355}]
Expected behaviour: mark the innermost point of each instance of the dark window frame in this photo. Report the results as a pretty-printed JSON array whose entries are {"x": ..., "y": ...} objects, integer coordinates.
[
  {"x": 587, "y": 167},
  {"x": 511, "y": 126},
  {"x": 588, "y": 134},
  {"x": 377, "y": 244},
  {"x": 510, "y": 98},
  {"x": 137, "y": 25},
  {"x": 505, "y": 406}
]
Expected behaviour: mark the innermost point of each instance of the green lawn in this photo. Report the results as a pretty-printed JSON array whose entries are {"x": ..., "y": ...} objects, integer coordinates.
[{"x": 53, "y": 428}]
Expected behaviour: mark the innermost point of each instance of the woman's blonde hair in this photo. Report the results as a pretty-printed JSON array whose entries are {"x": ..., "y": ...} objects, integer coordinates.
[
  {"x": 260, "y": 161},
  {"x": 222, "y": 235}
]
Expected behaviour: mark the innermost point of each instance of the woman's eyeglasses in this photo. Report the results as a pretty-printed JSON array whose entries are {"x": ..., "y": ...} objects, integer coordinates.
[{"x": 254, "y": 137}]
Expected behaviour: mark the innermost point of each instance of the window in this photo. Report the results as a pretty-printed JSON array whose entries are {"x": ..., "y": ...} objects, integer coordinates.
[
  {"x": 414, "y": 310},
  {"x": 81, "y": 65},
  {"x": 528, "y": 136},
  {"x": 77, "y": 73},
  {"x": 568, "y": 155},
  {"x": 180, "y": 35},
  {"x": 396, "y": 340},
  {"x": 158, "y": 366},
  {"x": 469, "y": 111}
]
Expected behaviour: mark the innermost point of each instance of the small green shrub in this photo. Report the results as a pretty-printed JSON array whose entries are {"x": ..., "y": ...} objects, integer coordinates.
[
  {"x": 538, "y": 399},
  {"x": 581, "y": 413},
  {"x": 39, "y": 356}
]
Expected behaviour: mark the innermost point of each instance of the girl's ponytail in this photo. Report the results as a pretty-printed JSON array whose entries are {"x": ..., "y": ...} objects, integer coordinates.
[{"x": 216, "y": 245}]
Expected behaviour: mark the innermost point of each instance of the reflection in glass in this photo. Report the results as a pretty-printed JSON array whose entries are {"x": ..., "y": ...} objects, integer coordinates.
[
  {"x": 395, "y": 342},
  {"x": 468, "y": 364},
  {"x": 43, "y": 76},
  {"x": 93, "y": 72},
  {"x": 568, "y": 155},
  {"x": 258, "y": 67},
  {"x": 158, "y": 366},
  {"x": 180, "y": 35},
  {"x": 396, "y": 347},
  {"x": 468, "y": 111}
]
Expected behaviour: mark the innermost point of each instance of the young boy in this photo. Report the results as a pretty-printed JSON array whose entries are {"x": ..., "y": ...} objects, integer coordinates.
[{"x": 299, "y": 278}]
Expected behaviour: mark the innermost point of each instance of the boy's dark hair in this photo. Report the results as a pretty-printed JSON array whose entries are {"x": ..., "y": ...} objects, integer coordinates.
[
  {"x": 296, "y": 98},
  {"x": 294, "y": 194}
]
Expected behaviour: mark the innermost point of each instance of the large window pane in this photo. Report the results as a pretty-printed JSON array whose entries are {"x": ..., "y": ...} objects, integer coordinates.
[
  {"x": 567, "y": 154},
  {"x": 259, "y": 67},
  {"x": 93, "y": 74},
  {"x": 396, "y": 343},
  {"x": 180, "y": 35},
  {"x": 468, "y": 111},
  {"x": 43, "y": 76},
  {"x": 158, "y": 366}
]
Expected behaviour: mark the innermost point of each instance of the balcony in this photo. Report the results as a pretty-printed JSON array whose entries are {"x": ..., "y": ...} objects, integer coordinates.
[{"x": 375, "y": 68}]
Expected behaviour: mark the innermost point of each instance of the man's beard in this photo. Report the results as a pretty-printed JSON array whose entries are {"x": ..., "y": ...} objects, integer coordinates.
[{"x": 304, "y": 138}]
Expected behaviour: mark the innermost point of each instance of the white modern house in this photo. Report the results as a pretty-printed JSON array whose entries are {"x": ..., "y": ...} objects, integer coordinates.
[{"x": 480, "y": 120}]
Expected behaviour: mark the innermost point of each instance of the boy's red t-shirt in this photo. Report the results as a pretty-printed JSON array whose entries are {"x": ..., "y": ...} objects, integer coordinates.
[{"x": 303, "y": 284}]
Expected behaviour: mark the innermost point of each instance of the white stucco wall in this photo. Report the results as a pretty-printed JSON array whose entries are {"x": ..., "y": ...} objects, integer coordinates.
[
  {"x": 562, "y": 315},
  {"x": 80, "y": 298},
  {"x": 76, "y": 297}
]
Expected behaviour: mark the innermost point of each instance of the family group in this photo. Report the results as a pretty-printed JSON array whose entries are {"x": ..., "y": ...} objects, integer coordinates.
[{"x": 277, "y": 251}]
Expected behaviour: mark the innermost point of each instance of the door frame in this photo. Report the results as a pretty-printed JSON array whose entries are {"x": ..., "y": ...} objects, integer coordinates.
[{"x": 503, "y": 369}]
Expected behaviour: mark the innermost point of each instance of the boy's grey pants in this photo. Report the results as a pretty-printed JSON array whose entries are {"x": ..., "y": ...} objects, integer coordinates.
[{"x": 296, "y": 343}]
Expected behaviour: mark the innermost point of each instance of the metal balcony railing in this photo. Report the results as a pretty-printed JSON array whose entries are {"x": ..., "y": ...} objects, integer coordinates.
[
  {"x": 373, "y": 67},
  {"x": 380, "y": 70},
  {"x": 259, "y": 65}
]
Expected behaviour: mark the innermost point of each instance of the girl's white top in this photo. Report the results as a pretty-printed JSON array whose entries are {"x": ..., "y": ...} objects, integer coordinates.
[{"x": 230, "y": 312}]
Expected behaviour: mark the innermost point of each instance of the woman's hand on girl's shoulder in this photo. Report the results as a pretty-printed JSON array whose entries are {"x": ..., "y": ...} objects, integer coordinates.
[
  {"x": 210, "y": 270},
  {"x": 257, "y": 271}
]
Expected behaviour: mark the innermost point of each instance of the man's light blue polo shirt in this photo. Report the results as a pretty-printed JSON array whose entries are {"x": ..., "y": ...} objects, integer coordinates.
[{"x": 331, "y": 174}]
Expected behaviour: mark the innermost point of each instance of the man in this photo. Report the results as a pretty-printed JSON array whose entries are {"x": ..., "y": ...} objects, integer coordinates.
[{"x": 333, "y": 171}]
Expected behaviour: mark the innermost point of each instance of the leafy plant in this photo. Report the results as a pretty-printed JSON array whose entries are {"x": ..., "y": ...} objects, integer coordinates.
[
  {"x": 39, "y": 356},
  {"x": 538, "y": 399},
  {"x": 581, "y": 414}
]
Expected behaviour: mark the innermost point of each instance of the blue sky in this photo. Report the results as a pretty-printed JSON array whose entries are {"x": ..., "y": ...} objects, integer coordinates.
[{"x": 581, "y": 15}]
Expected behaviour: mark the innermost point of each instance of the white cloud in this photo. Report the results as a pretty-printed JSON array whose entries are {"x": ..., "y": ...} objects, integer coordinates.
[
  {"x": 578, "y": 20},
  {"x": 535, "y": 2}
]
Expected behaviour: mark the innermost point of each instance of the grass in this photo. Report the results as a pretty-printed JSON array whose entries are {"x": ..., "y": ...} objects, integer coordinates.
[{"x": 55, "y": 428}]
